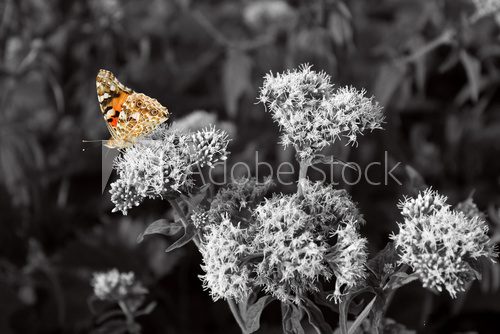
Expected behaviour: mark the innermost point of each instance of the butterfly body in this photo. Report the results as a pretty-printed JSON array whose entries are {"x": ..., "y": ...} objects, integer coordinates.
[{"x": 128, "y": 115}]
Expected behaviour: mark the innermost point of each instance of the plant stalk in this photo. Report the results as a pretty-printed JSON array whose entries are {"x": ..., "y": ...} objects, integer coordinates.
[
  {"x": 237, "y": 316},
  {"x": 184, "y": 219},
  {"x": 304, "y": 165},
  {"x": 132, "y": 326}
]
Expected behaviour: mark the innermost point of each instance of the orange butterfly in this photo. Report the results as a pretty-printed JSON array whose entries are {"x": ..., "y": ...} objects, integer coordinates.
[{"x": 129, "y": 115}]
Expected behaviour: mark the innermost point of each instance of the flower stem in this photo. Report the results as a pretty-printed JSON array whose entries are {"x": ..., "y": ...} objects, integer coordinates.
[
  {"x": 132, "y": 326},
  {"x": 304, "y": 165},
  {"x": 237, "y": 316},
  {"x": 183, "y": 218}
]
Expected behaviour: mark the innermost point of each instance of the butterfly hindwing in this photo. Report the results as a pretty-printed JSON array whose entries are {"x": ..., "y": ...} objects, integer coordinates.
[{"x": 128, "y": 114}]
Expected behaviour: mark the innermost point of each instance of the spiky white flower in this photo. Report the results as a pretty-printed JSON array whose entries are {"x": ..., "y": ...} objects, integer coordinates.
[
  {"x": 236, "y": 199},
  {"x": 127, "y": 193},
  {"x": 209, "y": 146},
  {"x": 470, "y": 209},
  {"x": 223, "y": 250},
  {"x": 293, "y": 253},
  {"x": 426, "y": 203},
  {"x": 440, "y": 244},
  {"x": 158, "y": 165},
  {"x": 292, "y": 241},
  {"x": 348, "y": 259},
  {"x": 115, "y": 286},
  {"x": 328, "y": 206},
  {"x": 312, "y": 114}
]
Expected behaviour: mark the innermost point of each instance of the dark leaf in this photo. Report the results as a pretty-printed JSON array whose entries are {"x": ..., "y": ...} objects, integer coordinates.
[
  {"x": 147, "y": 310},
  {"x": 316, "y": 318},
  {"x": 361, "y": 316},
  {"x": 189, "y": 234},
  {"x": 107, "y": 315},
  {"x": 194, "y": 200},
  {"x": 236, "y": 79},
  {"x": 291, "y": 317},
  {"x": 252, "y": 316},
  {"x": 416, "y": 182},
  {"x": 161, "y": 226},
  {"x": 389, "y": 79},
  {"x": 340, "y": 29},
  {"x": 344, "y": 307},
  {"x": 113, "y": 327},
  {"x": 376, "y": 265},
  {"x": 321, "y": 298},
  {"x": 473, "y": 70},
  {"x": 399, "y": 279}
]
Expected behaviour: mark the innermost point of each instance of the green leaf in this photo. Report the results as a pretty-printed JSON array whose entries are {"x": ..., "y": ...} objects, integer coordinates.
[
  {"x": 253, "y": 313},
  {"x": 473, "y": 70},
  {"x": 316, "y": 318},
  {"x": 236, "y": 79},
  {"x": 189, "y": 234},
  {"x": 161, "y": 226},
  {"x": 291, "y": 317}
]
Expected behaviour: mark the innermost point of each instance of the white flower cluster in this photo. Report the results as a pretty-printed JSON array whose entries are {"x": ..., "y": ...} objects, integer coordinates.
[
  {"x": 486, "y": 7},
  {"x": 236, "y": 200},
  {"x": 293, "y": 252},
  {"x": 289, "y": 244},
  {"x": 441, "y": 244},
  {"x": 312, "y": 114},
  {"x": 347, "y": 259},
  {"x": 108, "y": 11},
  {"x": 162, "y": 164},
  {"x": 222, "y": 253},
  {"x": 210, "y": 146},
  {"x": 116, "y": 286},
  {"x": 330, "y": 205}
]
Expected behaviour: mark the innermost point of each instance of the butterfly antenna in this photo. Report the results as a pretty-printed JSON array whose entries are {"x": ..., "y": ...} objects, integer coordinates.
[{"x": 91, "y": 141}]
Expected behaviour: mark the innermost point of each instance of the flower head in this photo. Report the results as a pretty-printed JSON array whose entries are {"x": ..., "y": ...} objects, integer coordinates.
[
  {"x": 329, "y": 207},
  {"x": 348, "y": 259},
  {"x": 293, "y": 253},
  {"x": 224, "y": 248},
  {"x": 127, "y": 193},
  {"x": 162, "y": 164},
  {"x": 116, "y": 286},
  {"x": 209, "y": 146},
  {"x": 441, "y": 244},
  {"x": 235, "y": 200},
  {"x": 312, "y": 114},
  {"x": 285, "y": 246},
  {"x": 426, "y": 203}
]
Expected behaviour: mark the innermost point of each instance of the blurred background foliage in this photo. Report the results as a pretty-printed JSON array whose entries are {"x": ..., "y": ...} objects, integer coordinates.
[{"x": 433, "y": 64}]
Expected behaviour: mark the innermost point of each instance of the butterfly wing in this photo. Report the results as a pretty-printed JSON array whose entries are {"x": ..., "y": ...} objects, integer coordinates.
[
  {"x": 128, "y": 114},
  {"x": 111, "y": 95},
  {"x": 139, "y": 116}
]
